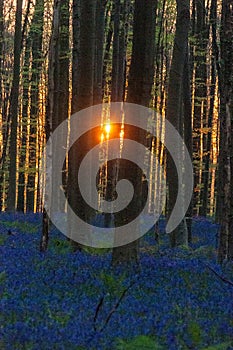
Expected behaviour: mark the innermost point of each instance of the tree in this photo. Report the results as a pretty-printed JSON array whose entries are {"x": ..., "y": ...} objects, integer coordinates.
[
  {"x": 31, "y": 86},
  {"x": 121, "y": 13},
  {"x": 99, "y": 51},
  {"x": 83, "y": 94},
  {"x": 58, "y": 91},
  {"x": 175, "y": 109},
  {"x": 141, "y": 78},
  {"x": 200, "y": 104},
  {"x": 225, "y": 250},
  {"x": 11, "y": 200}
]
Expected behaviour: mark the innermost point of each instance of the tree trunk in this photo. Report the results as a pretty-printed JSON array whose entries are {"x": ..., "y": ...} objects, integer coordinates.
[
  {"x": 1, "y": 98},
  {"x": 83, "y": 85},
  {"x": 36, "y": 34},
  {"x": 23, "y": 147},
  {"x": 174, "y": 107},
  {"x": 188, "y": 131},
  {"x": 141, "y": 78},
  {"x": 226, "y": 126},
  {"x": 99, "y": 51},
  {"x": 206, "y": 158},
  {"x": 11, "y": 199},
  {"x": 119, "y": 50},
  {"x": 200, "y": 101},
  {"x": 50, "y": 109}
]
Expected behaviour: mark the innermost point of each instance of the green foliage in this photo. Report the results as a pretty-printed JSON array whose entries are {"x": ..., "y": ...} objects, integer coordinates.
[
  {"x": 96, "y": 251},
  {"x": 139, "y": 343},
  {"x": 60, "y": 246},
  {"x": 114, "y": 286},
  {"x": 194, "y": 331},
  {"x": 2, "y": 240},
  {"x": 2, "y": 277},
  {"x": 22, "y": 226}
]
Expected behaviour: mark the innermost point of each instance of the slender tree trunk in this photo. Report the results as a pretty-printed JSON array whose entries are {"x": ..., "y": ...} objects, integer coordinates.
[
  {"x": 116, "y": 51},
  {"x": 119, "y": 50},
  {"x": 1, "y": 48},
  {"x": 188, "y": 130},
  {"x": 99, "y": 51},
  {"x": 107, "y": 50},
  {"x": 226, "y": 126},
  {"x": 1, "y": 98},
  {"x": 11, "y": 199},
  {"x": 200, "y": 100},
  {"x": 23, "y": 147},
  {"x": 206, "y": 157},
  {"x": 52, "y": 76},
  {"x": 58, "y": 98},
  {"x": 36, "y": 34}
]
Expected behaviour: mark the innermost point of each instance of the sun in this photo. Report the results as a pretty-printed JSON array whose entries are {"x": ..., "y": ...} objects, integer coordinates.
[{"x": 107, "y": 128}]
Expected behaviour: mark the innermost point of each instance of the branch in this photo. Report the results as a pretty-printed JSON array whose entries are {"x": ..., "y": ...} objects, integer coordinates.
[
  {"x": 97, "y": 312},
  {"x": 25, "y": 22},
  {"x": 222, "y": 278},
  {"x": 114, "y": 309}
]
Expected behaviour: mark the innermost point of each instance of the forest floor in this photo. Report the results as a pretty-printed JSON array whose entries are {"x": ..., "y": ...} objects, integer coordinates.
[{"x": 64, "y": 300}]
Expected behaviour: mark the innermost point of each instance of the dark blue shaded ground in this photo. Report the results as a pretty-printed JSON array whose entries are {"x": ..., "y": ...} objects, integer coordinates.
[{"x": 49, "y": 301}]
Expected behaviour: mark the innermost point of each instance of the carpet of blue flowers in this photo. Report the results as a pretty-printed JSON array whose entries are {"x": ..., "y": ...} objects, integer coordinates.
[{"x": 65, "y": 300}]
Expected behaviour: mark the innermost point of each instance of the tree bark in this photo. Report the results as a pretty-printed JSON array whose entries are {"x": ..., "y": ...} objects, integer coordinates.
[
  {"x": 225, "y": 250},
  {"x": 83, "y": 86},
  {"x": 200, "y": 102},
  {"x": 174, "y": 107},
  {"x": 11, "y": 199},
  {"x": 99, "y": 51},
  {"x": 141, "y": 78},
  {"x": 36, "y": 38}
]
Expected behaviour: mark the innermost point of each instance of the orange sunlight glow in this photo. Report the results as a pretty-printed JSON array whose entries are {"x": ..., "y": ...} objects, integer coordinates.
[{"x": 107, "y": 128}]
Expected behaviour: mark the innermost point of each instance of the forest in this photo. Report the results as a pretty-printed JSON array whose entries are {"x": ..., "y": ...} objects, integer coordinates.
[{"x": 116, "y": 174}]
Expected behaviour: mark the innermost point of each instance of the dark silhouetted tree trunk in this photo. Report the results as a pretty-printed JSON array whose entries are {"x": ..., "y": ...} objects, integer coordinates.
[
  {"x": 141, "y": 79},
  {"x": 188, "y": 130},
  {"x": 99, "y": 51},
  {"x": 121, "y": 12},
  {"x": 83, "y": 86},
  {"x": 226, "y": 126},
  {"x": 174, "y": 107}
]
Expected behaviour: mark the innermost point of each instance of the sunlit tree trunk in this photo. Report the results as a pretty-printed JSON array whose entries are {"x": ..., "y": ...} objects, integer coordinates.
[
  {"x": 50, "y": 109},
  {"x": 109, "y": 38},
  {"x": 11, "y": 199},
  {"x": 23, "y": 146},
  {"x": 36, "y": 34},
  {"x": 206, "y": 157},
  {"x": 200, "y": 100},
  {"x": 1, "y": 98},
  {"x": 1, "y": 48},
  {"x": 141, "y": 78}
]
